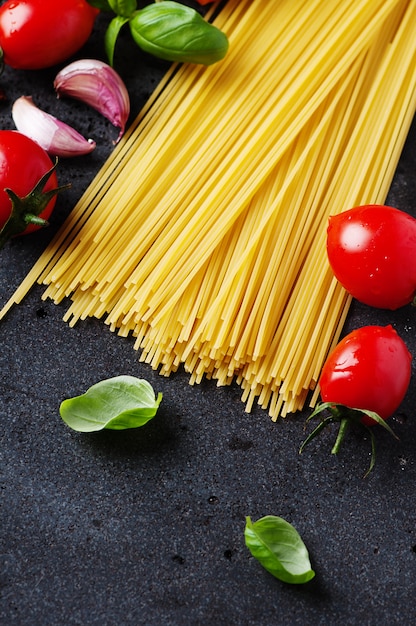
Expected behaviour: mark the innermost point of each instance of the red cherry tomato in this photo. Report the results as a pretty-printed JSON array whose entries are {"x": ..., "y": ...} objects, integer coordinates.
[
  {"x": 369, "y": 369},
  {"x": 35, "y": 34},
  {"x": 372, "y": 252},
  {"x": 22, "y": 164},
  {"x": 364, "y": 380}
]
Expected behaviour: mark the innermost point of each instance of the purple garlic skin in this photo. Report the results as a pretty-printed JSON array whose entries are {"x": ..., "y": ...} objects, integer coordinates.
[
  {"x": 53, "y": 135},
  {"x": 98, "y": 85}
]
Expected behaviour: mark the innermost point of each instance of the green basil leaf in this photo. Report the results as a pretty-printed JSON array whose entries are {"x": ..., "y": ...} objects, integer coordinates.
[
  {"x": 175, "y": 32},
  {"x": 115, "y": 403},
  {"x": 111, "y": 36},
  {"x": 277, "y": 545},
  {"x": 124, "y": 8}
]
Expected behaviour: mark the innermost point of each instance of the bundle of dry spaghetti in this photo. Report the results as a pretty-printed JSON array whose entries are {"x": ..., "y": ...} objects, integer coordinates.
[{"x": 203, "y": 235}]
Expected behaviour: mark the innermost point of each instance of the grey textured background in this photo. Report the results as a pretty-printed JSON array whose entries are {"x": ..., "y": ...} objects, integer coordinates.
[{"x": 146, "y": 527}]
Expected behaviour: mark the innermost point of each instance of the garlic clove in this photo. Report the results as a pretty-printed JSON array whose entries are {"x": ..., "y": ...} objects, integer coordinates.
[
  {"x": 56, "y": 137},
  {"x": 98, "y": 85}
]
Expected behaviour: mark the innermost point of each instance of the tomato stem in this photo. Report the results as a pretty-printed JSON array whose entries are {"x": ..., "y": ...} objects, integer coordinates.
[
  {"x": 343, "y": 428},
  {"x": 30, "y": 218}
]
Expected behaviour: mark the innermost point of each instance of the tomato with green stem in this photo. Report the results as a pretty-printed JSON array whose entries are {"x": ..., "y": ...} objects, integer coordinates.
[
  {"x": 364, "y": 380},
  {"x": 28, "y": 185},
  {"x": 372, "y": 252},
  {"x": 36, "y": 34}
]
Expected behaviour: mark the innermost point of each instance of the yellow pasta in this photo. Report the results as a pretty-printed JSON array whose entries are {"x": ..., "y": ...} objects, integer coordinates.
[{"x": 203, "y": 235}]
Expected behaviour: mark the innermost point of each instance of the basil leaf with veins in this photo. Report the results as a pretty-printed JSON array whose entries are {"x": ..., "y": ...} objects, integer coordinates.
[
  {"x": 115, "y": 403},
  {"x": 175, "y": 32},
  {"x": 277, "y": 545}
]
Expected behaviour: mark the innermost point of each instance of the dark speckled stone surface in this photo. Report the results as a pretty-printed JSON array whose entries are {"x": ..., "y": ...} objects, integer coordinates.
[{"x": 146, "y": 527}]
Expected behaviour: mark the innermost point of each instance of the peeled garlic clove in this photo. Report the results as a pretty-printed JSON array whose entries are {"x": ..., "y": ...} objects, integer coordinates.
[
  {"x": 99, "y": 86},
  {"x": 56, "y": 137}
]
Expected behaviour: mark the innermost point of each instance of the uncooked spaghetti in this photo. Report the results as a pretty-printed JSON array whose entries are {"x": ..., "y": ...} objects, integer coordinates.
[{"x": 203, "y": 235}]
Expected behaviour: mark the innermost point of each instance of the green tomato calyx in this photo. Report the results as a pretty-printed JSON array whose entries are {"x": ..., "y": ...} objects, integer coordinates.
[
  {"x": 27, "y": 210},
  {"x": 345, "y": 416}
]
